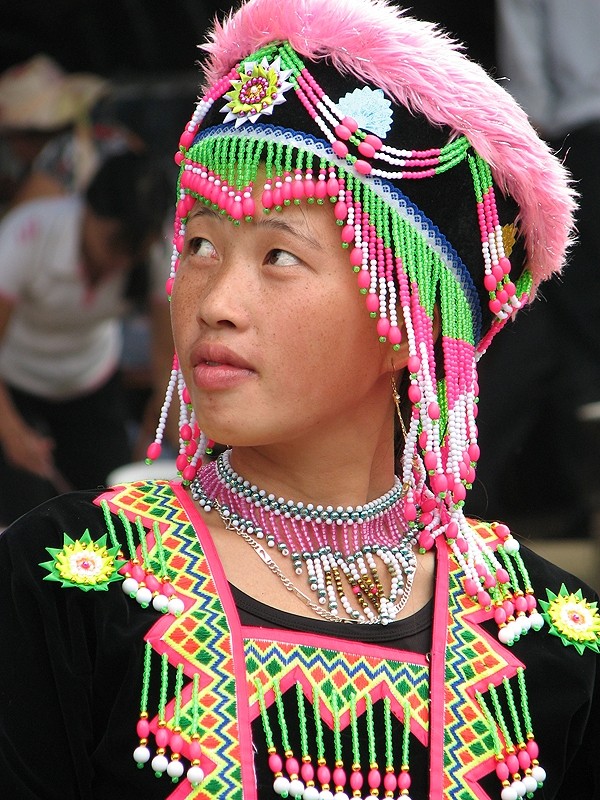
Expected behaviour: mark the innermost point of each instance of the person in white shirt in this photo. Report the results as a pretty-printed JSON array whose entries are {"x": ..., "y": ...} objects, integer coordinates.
[{"x": 64, "y": 264}]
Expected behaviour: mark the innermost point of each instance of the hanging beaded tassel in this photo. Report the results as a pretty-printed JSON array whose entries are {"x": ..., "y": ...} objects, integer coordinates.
[
  {"x": 172, "y": 745},
  {"x": 503, "y": 298},
  {"x": 192, "y": 446},
  {"x": 517, "y": 765},
  {"x": 515, "y": 610},
  {"x": 307, "y": 775},
  {"x": 146, "y": 579}
]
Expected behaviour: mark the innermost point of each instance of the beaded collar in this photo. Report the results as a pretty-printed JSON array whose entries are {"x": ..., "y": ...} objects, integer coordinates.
[{"x": 338, "y": 550}]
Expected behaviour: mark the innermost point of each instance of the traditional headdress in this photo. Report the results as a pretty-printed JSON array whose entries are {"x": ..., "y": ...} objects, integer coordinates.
[{"x": 445, "y": 197}]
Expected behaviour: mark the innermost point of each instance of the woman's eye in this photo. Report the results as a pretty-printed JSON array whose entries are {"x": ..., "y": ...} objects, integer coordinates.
[
  {"x": 282, "y": 258},
  {"x": 198, "y": 246}
]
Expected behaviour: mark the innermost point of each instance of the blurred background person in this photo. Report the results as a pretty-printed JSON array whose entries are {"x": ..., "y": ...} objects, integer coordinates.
[
  {"x": 53, "y": 142},
  {"x": 98, "y": 80},
  {"x": 57, "y": 129},
  {"x": 64, "y": 267}
]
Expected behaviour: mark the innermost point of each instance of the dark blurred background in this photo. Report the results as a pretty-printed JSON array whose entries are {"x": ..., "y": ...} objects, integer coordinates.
[
  {"x": 126, "y": 37},
  {"x": 149, "y": 49}
]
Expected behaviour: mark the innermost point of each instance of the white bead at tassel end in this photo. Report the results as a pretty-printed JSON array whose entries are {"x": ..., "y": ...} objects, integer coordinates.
[{"x": 195, "y": 775}]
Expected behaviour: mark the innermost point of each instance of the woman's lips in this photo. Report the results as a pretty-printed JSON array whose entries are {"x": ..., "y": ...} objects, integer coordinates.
[{"x": 216, "y": 367}]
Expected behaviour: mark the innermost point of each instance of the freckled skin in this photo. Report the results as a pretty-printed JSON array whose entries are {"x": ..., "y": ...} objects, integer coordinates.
[{"x": 281, "y": 293}]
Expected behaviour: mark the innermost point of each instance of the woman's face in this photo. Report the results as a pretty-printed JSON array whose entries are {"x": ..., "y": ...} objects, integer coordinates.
[{"x": 273, "y": 337}]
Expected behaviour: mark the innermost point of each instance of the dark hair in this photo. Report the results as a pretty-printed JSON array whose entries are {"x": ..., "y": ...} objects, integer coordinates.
[{"x": 133, "y": 189}]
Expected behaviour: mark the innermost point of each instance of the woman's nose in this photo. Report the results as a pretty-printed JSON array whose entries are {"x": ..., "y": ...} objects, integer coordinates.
[{"x": 226, "y": 295}]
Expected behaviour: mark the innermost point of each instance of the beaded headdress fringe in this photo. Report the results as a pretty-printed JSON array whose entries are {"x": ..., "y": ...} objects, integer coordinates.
[{"x": 405, "y": 266}]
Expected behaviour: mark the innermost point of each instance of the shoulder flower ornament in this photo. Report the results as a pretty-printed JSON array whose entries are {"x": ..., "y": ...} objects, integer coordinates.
[
  {"x": 370, "y": 108},
  {"x": 260, "y": 88},
  {"x": 84, "y": 563},
  {"x": 573, "y": 619}
]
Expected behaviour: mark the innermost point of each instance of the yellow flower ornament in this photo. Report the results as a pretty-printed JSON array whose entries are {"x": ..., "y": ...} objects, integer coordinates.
[
  {"x": 573, "y": 619},
  {"x": 83, "y": 563},
  {"x": 260, "y": 88}
]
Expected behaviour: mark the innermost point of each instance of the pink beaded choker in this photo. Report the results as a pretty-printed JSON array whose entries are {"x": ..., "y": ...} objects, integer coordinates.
[{"x": 338, "y": 550}]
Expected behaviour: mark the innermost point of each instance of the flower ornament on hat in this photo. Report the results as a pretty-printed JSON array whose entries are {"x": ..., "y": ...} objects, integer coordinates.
[
  {"x": 258, "y": 90},
  {"x": 450, "y": 207}
]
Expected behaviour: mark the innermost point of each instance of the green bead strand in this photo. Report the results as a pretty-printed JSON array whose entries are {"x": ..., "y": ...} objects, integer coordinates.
[
  {"x": 264, "y": 716},
  {"x": 161, "y": 552},
  {"x": 370, "y": 730},
  {"x": 128, "y": 535},
  {"x": 285, "y": 741},
  {"x": 141, "y": 531},
  {"x": 302, "y": 719},
  {"x": 524, "y": 702},
  {"x": 500, "y": 717},
  {"x": 513, "y": 710},
  {"x": 146, "y": 679},
  {"x": 491, "y": 723},
  {"x": 109, "y": 524},
  {"x": 318, "y": 723}
]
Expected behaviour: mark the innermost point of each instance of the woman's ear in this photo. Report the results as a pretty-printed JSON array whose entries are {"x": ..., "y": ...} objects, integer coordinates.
[{"x": 397, "y": 353}]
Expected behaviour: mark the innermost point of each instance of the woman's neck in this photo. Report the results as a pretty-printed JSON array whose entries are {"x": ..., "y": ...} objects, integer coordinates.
[{"x": 319, "y": 473}]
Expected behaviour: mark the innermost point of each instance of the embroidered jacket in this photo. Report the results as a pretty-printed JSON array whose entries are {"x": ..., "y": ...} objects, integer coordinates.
[{"x": 166, "y": 674}]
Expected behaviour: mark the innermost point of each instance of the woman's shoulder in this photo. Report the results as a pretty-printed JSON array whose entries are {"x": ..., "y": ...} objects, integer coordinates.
[
  {"x": 66, "y": 514},
  {"x": 77, "y": 538},
  {"x": 541, "y": 570}
]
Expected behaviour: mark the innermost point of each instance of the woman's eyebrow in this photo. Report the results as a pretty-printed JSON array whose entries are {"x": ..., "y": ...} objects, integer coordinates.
[
  {"x": 269, "y": 223},
  {"x": 281, "y": 226}
]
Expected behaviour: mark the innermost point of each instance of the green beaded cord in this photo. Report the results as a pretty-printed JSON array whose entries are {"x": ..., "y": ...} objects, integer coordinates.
[
  {"x": 387, "y": 725},
  {"x": 162, "y": 703},
  {"x": 513, "y": 711},
  {"x": 370, "y": 732},
  {"x": 491, "y": 725},
  {"x": 306, "y": 759},
  {"x": 337, "y": 735},
  {"x": 129, "y": 537},
  {"x": 524, "y": 702},
  {"x": 355, "y": 737},
  {"x": 141, "y": 531},
  {"x": 163, "y": 572},
  {"x": 110, "y": 525},
  {"x": 177, "y": 712},
  {"x": 500, "y": 717},
  {"x": 285, "y": 741},
  {"x": 318, "y": 724},
  {"x": 264, "y": 716},
  {"x": 406, "y": 736},
  {"x": 145, "y": 692}
]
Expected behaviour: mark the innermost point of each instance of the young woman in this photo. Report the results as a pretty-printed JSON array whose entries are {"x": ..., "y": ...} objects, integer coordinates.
[{"x": 309, "y": 614}]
